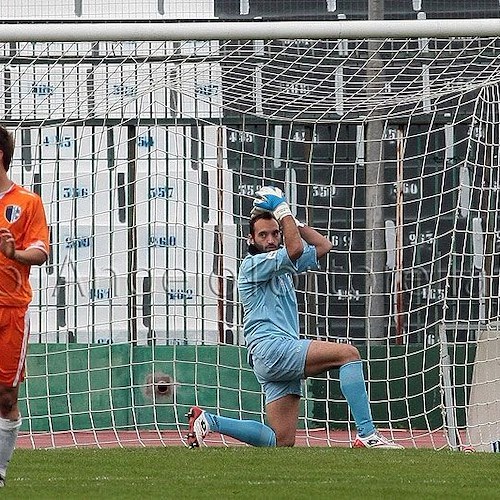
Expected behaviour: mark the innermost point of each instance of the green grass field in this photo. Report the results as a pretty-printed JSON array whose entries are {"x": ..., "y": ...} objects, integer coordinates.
[{"x": 311, "y": 473}]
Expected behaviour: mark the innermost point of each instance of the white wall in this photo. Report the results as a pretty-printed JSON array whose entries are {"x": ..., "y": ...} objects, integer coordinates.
[{"x": 106, "y": 9}]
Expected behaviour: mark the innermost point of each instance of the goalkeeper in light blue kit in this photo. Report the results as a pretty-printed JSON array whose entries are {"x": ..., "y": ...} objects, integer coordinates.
[{"x": 279, "y": 358}]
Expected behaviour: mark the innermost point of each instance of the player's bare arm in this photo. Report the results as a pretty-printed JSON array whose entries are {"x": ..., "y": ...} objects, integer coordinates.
[
  {"x": 30, "y": 256},
  {"x": 291, "y": 238},
  {"x": 312, "y": 237},
  {"x": 7, "y": 243}
]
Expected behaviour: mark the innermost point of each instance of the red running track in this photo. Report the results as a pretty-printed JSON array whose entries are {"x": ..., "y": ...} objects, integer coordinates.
[{"x": 315, "y": 437}]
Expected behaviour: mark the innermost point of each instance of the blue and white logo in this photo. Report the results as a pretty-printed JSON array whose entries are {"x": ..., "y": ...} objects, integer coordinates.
[{"x": 12, "y": 213}]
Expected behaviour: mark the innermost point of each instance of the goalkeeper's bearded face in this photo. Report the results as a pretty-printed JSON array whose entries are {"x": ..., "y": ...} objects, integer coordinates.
[{"x": 265, "y": 235}]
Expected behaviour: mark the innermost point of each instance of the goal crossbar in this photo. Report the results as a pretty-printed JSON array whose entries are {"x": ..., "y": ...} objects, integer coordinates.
[{"x": 248, "y": 30}]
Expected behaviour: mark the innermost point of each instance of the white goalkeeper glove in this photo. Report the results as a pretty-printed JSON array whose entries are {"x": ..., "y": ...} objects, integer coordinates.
[{"x": 271, "y": 199}]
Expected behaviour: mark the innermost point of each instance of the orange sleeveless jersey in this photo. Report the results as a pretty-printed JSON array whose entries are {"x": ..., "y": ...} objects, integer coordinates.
[{"x": 21, "y": 211}]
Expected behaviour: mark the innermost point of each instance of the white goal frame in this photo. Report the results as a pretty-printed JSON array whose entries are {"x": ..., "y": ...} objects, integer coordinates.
[
  {"x": 371, "y": 30},
  {"x": 248, "y": 30}
]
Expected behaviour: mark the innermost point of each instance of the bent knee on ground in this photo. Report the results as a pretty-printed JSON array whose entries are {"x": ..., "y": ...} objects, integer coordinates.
[
  {"x": 284, "y": 428},
  {"x": 285, "y": 441}
]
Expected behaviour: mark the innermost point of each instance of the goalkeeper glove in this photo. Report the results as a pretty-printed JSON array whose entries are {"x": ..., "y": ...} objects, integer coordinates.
[
  {"x": 271, "y": 199},
  {"x": 257, "y": 211}
]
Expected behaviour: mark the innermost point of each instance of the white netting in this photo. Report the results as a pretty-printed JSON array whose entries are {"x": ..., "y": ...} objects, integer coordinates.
[{"x": 147, "y": 155}]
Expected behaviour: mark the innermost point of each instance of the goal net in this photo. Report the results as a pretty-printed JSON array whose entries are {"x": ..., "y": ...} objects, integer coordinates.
[{"x": 147, "y": 154}]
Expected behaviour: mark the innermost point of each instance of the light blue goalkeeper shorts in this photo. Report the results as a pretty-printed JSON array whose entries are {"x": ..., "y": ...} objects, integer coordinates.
[{"x": 279, "y": 364}]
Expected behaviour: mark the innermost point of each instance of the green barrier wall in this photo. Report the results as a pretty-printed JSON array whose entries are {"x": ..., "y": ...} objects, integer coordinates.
[
  {"x": 412, "y": 398},
  {"x": 104, "y": 386}
]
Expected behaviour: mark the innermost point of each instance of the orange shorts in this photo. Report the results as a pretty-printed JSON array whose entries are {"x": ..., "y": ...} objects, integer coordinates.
[{"x": 14, "y": 333}]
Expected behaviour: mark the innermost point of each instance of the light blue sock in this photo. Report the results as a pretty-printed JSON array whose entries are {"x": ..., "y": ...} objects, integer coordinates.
[
  {"x": 352, "y": 385},
  {"x": 248, "y": 431}
]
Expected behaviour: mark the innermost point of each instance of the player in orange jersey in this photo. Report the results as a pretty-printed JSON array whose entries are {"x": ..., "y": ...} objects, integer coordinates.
[{"x": 24, "y": 241}]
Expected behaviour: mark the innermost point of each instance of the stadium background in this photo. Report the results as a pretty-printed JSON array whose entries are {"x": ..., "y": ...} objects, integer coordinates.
[
  {"x": 53, "y": 157},
  {"x": 73, "y": 305}
]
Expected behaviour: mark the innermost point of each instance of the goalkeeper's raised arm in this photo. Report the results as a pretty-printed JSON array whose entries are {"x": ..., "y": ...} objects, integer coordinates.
[{"x": 312, "y": 237}]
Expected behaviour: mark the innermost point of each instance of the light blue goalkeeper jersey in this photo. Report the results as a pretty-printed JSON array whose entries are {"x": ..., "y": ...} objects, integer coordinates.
[{"x": 265, "y": 285}]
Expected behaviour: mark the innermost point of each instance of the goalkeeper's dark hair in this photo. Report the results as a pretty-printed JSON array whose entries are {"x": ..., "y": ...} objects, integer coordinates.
[{"x": 6, "y": 146}]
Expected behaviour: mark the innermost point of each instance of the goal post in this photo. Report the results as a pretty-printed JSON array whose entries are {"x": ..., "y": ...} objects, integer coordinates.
[
  {"x": 147, "y": 142},
  {"x": 248, "y": 30}
]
